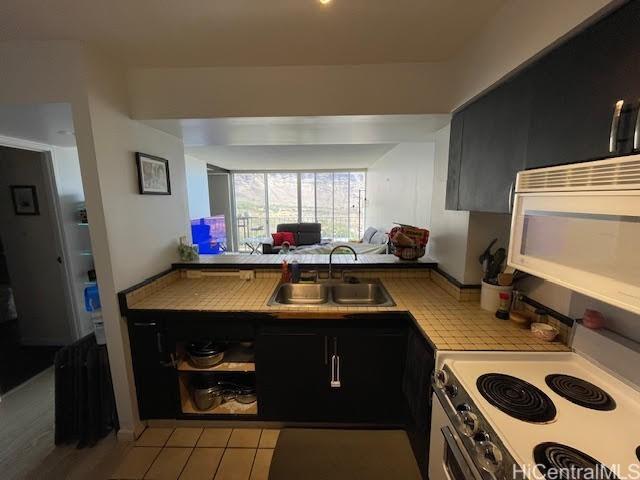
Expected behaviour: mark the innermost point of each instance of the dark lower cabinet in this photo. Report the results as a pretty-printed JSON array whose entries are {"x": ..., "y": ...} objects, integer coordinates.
[
  {"x": 416, "y": 387},
  {"x": 155, "y": 376},
  {"x": 328, "y": 373},
  {"x": 292, "y": 374},
  {"x": 370, "y": 374}
]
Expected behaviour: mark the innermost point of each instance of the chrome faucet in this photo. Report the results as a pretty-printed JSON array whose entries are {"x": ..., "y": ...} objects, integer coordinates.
[{"x": 355, "y": 257}]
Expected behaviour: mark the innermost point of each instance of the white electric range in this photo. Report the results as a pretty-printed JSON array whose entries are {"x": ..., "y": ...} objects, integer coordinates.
[{"x": 533, "y": 415}]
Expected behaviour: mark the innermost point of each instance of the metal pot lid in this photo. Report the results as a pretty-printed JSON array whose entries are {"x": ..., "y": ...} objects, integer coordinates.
[{"x": 204, "y": 348}]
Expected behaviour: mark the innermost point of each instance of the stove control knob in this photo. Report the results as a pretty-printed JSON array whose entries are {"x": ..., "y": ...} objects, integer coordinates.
[
  {"x": 451, "y": 390},
  {"x": 468, "y": 423},
  {"x": 489, "y": 456},
  {"x": 463, "y": 407},
  {"x": 440, "y": 378},
  {"x": 481, "y": 436}
]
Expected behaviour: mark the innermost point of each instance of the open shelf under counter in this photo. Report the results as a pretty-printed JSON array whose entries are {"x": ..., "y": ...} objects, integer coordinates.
[
  {"x": 236, "y": 359},
  {"x": 227, "y": 408}
]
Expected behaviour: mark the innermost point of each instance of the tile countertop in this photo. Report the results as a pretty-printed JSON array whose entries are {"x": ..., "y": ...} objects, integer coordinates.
[{"x": 447, "y": 322}]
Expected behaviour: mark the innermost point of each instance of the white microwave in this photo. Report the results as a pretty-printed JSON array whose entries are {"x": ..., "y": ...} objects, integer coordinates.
[{"x": 579, "y": 226}]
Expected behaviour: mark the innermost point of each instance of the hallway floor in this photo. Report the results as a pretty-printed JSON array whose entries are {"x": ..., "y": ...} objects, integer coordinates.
[{"x": 26, "y": 425}]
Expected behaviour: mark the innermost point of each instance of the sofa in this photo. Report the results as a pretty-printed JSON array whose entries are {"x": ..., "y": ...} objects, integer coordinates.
[{"x": 303, "y": 233}]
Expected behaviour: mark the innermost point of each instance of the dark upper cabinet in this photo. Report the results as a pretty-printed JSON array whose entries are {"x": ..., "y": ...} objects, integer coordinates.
[
  {"x": 155, "y": 377},
  {"x": 557, "y": 111},
  {"x": 576, "y": 87},
  {"x": 494, "y": 146}
]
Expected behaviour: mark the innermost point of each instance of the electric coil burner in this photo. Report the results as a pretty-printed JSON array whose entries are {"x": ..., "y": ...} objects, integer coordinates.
[
  {"x": 516, "y": 398},
  {"x": 558, "y": 461},
  {"x": 580, "y": 392}
]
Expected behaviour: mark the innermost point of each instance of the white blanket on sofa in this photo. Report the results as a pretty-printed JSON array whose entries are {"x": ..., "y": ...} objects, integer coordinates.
[{"x": 360, "y": 248}]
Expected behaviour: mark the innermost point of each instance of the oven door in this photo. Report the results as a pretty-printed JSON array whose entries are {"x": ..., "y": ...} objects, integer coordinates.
[
  {"x": 584, "y": 241},
  {"x": 456, "y": 465},
  {"x": 448, "y": 459}
]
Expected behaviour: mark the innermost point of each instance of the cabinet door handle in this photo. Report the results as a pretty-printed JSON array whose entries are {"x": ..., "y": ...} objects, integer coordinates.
[
  {"x": 335, "y": 371},
  {"x": 615, "y": 121},
  {"x": 511, "y": 197},
  {"x": 636, "y": 131}
]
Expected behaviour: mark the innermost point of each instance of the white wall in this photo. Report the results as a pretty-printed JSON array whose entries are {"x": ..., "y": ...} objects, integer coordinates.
[
  {"x": 399, "y": 187},
  {"x": 449, "y": 229},
  {"x": 483, "y": 228},
  {"x": 66, "y": 170},
  {"x": 197, "y": 187},
  {"x": 138, "y": 235},
  {"x": 288, "y": 90}
]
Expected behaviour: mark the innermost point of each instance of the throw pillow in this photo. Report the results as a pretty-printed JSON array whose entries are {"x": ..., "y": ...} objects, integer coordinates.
[
  {"x": 289, "y": 237},
  {"x": 278, "y": 238},
  {"x": 368, "y": 233}
]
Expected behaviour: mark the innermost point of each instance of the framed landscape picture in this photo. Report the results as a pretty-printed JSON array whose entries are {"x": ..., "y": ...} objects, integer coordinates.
[
  {"x": 153, "y": 175},
  {"x": 25, "y": 200}
]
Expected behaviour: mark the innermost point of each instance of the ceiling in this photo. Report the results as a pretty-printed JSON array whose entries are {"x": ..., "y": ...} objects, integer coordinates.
[
  {"x": 328, "y": 130},
  {"x": 291, "y": 157},
  {"x": 254, "y": 32},
  {"x": 48, "y": 123}
]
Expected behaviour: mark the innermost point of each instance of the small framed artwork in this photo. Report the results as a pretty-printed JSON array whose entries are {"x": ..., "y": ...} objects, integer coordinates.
[
  {"x": 25, "y": 200},
  {"x": 153, "y": 175}
]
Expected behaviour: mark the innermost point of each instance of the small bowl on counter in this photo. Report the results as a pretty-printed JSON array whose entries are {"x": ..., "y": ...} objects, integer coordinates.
[
  {"x": 205, "y": 353},
  {"x": 544, "y": 331}
]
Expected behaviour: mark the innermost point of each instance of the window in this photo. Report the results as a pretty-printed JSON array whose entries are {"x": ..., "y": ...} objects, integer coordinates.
[
  {"x": 251, "y": 212},
  {"x": 308, "y": 197},
  {"x": 283, "y": 199},
  {"x": 266, "y": 199},
  {"x": 324, "y": 205}
]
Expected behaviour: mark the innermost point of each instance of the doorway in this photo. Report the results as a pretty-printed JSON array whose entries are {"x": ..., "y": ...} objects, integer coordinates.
[{"x": 37, "y": 318}]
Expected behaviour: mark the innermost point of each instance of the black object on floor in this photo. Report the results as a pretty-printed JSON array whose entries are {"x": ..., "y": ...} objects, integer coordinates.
[
  {"x": 19, "y": 363},
  {"x": 322, "y": 454},
  {"x": 85, "y": 405}
]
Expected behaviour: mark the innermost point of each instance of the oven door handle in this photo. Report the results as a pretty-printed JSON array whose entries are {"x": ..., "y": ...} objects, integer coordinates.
[{"x": 467, "y": 470}]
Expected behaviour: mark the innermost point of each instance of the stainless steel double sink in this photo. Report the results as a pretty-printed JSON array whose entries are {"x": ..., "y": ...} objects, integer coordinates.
[{"x": 371, "y": 294}]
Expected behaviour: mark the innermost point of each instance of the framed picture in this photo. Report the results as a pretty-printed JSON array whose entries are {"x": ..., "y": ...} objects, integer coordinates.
[
  {"x": 153, "y": 175},
  {"x": 25, "y": 199}
]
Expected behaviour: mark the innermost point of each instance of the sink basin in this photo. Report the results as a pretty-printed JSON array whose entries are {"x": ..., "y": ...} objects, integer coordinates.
[
  {"x": 370, "y": 294},
  {"x": 355, "y": 294},
  {"x": 301, "y": 294}
]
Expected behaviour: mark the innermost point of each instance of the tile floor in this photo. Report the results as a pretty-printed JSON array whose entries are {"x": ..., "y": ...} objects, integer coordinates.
[{"x": 189, "y": 453}]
